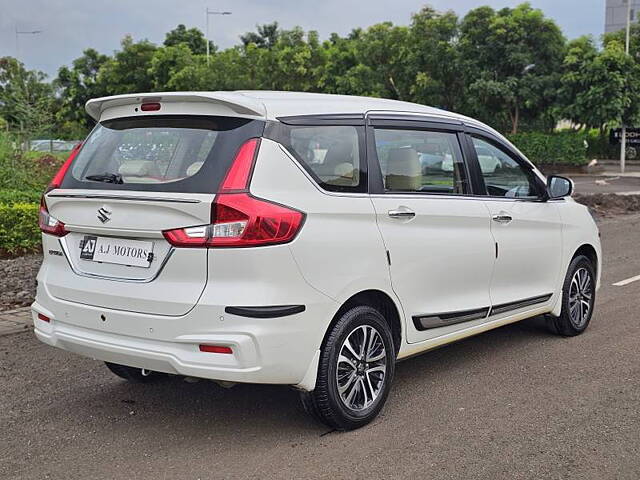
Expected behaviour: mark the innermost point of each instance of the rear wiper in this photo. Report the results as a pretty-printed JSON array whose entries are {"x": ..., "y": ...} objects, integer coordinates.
[{"x": 106, "y": 178}]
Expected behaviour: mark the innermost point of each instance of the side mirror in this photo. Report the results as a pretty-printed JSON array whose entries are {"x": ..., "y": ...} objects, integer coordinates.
[{"x": 559, "y": 187}]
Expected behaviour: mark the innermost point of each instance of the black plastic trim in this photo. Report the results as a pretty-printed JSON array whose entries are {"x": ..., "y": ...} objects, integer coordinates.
[
  {"x": 507, "y": 307},
  {"x": 435, "y": 320},
  {"x": 425, "y": 322},
  {"x": 413, "y": 122},
  {"x": 376, "y": 182},
  {"x": 272, "y": 311}
]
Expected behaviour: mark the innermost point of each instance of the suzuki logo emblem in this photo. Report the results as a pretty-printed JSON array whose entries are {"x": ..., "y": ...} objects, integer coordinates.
[{"x": 104, "y": 214}]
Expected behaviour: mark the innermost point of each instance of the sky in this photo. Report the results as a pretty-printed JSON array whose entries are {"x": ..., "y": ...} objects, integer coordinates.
[{"x": 70, "y": 26}]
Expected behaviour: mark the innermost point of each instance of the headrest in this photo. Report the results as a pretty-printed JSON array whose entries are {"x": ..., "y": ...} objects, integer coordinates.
[
  {"x": 344, "y": 170},
  {"x": 137, "y": 168},
  {"x": 403, "y": 170},
  {"x": 194, "y": 168},
  {"x": 340, "y": 152}
]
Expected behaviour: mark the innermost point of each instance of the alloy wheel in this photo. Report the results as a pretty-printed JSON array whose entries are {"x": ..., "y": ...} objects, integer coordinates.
[
  {"x": 361, "y": 369},
  {"x": 580, "y": 297}
]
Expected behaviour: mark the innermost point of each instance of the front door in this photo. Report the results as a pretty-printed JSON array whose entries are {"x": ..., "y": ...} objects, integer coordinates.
[
  {"x": 440, "y": 246},
  {"x": 527, "y": 231}
]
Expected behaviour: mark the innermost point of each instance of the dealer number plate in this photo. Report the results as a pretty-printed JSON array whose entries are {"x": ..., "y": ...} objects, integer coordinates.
[{"x": 135, "y": 253}]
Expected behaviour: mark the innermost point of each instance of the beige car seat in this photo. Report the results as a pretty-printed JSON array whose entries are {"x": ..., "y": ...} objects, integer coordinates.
[{"x": 404, "y": 172}]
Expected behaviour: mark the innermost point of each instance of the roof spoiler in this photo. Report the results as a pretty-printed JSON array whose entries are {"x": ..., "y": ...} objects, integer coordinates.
[{"x": 238, "y": 103}]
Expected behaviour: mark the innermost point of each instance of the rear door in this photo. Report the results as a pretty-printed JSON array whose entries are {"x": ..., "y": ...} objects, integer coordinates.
[
  {"x": 133, "y": 179},
  {"x": 436, "y": 231},
  {"x": 527, "y": 230}
]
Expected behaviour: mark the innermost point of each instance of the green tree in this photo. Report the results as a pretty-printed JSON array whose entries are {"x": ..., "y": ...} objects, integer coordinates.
[
  {"x": 511, "y": 57},
  {"x": 371, "y": 62},
  {"x": 236, "y": 68},
  {"x": 340, "y": 57},
  {"x": 193, "y": 38},
  {"x": 75, "y": 86},
  {"x": 599, "y": 88},
  {"x": 166, "y": 62},
  {"x": 634, "y": 39},
  {"x": 265, "y": 37},
  {"x": 126, "y": 71},
  {"x": 435, "y": 60},
  {"x": 293, "y": 63},
  {"x": 26, "y": 99}
]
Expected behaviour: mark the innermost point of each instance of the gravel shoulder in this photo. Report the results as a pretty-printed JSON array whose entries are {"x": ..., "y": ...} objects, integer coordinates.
[{"x": 18, "y": 280}]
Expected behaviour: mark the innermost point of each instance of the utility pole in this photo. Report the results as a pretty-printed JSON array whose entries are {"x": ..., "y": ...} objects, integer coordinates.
[
  {"x": 623, "y": 141},
  {"x": 212, "y": 12}
]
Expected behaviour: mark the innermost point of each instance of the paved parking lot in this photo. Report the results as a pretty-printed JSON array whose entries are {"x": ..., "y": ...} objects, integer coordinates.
[{"x": 513, "y": 403}]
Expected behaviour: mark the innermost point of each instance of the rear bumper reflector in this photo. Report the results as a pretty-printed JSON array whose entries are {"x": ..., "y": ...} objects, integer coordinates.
[
  {"x": 215, "y": 349},
  {"x": 272, "y": 311}
]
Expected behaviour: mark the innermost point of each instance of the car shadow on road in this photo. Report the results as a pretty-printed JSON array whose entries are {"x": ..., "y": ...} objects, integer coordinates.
[{"x": 254, "y": 413}]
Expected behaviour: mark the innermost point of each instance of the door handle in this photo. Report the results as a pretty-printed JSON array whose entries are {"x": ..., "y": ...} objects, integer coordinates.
[
  {"x": 502, "y": 217},
  {"x": 401, "y": 212}
]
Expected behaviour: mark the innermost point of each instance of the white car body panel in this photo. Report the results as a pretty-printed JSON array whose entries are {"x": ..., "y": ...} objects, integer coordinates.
[
  {"x": 347, "y": 218},
  {"x": 530, "y": 250},
  {"x": 448, "y": 235}
]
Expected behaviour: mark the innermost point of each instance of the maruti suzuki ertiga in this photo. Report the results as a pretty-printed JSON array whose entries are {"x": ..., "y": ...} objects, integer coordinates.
[{"x": 300, "y": 239}]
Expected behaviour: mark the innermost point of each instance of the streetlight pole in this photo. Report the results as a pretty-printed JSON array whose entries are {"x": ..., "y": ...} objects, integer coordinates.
[
  {"x": 623, "y": 142},
  {"x": 212, "y": 12},
  {"x": 24, "y": 32}
]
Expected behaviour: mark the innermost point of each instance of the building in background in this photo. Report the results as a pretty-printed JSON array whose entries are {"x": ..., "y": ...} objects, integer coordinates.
[{"x": 616, "y": 15}]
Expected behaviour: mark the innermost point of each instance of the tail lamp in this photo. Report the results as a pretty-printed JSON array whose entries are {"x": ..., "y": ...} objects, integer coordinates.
[
  {"x": 239, "y": 219},
  {"x": 48, "y": 223}
]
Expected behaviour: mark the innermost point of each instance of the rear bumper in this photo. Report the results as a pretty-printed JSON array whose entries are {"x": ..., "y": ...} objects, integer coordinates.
[{"x": 282, "y": 350}]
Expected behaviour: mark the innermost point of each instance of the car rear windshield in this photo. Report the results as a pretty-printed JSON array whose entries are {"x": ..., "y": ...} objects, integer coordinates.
[{"x": 188, "y": 154}]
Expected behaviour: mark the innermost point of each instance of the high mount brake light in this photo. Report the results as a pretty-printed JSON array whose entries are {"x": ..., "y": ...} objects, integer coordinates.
[
  {"x": 49, "y": 224},
  {"x": 239, "y": 219},
  {"x": 150, "y": 107}
]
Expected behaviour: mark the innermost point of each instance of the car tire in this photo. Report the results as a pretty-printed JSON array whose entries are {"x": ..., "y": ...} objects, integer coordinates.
[
  {"x": 351, "y": 388},
  {"x": 132, "y": 374},
  {"x": 578, "y": 298}
]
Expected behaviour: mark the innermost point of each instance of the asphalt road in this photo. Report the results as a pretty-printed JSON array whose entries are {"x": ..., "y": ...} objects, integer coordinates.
[
  {"x": 588, "y": 184},
  {"x": 514, "y": 403}
]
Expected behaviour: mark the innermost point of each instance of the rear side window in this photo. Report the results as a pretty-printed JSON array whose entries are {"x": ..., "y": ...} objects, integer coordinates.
[
  {"x": 333, "y": 155},
  {"x": 176, "y": 154}
]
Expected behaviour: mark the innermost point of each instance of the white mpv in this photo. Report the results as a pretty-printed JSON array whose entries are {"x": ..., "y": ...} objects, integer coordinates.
[{"x": 300, "y": 239}]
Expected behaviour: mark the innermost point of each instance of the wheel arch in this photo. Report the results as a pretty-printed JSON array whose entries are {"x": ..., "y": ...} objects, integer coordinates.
[
  {"x": 590, "y": 252},
  {"x": 379, "y": 300}
]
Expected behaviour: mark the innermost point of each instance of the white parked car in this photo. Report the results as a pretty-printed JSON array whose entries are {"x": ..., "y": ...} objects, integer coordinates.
[{"x": 300, "y": 239}]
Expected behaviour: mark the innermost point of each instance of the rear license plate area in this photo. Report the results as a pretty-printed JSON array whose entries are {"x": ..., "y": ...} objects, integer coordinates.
[{"x": 119, "y": 251}]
